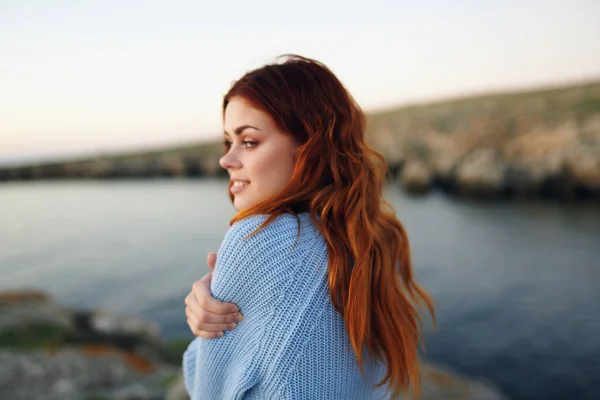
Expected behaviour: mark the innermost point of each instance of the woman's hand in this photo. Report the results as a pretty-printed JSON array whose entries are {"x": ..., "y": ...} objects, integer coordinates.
[{"x": 208, "y": 317}]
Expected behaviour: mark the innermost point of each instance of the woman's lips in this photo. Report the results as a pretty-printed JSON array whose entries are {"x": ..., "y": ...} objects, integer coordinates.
[{"x": 238, "y": 188}]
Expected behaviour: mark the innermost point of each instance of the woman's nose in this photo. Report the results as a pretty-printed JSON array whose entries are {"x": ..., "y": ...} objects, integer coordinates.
[{"x": 229, "y": 160}]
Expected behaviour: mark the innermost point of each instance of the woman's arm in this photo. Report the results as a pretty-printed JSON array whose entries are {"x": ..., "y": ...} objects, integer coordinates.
[
  {"x": 208, "y": 317},
  {"x": 254, "y": 274}
]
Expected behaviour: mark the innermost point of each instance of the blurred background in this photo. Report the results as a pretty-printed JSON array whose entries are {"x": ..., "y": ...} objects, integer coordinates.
[{"x": 488, "y": 113}]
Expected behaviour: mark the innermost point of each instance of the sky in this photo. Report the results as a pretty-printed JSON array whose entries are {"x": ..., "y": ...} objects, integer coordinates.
[{"x": 101, "y": 76}]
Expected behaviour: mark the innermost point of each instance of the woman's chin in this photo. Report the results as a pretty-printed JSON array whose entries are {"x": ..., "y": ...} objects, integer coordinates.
[{"x": 240, "y": 205}]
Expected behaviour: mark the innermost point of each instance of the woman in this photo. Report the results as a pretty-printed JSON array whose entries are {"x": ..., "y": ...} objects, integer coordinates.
[{"x": 315, "y": 259}]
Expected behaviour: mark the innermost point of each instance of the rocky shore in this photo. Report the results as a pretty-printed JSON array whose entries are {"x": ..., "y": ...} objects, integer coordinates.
[
  {"x": 51, "y": 352},
  {"x": 531, "y": 144},
  {"x": 190, "y": 161},
  {"x": 542, "y": 143}
]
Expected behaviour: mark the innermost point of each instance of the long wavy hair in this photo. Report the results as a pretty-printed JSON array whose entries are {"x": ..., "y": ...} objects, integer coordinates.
[{"x": 339, "y": 178}]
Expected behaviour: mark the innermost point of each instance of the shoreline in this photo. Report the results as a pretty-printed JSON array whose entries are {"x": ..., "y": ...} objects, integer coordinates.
[{"x": 54, "y": 352}]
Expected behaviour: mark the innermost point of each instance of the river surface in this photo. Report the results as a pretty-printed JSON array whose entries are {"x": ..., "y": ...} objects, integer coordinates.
[{"x": 516, "y": 285}]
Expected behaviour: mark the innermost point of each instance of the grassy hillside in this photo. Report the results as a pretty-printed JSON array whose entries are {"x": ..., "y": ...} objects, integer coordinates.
[{"x": 505, "y": 143}]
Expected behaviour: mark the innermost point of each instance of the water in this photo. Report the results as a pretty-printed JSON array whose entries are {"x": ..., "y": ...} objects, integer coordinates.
[{"x": 517, "y": 285}]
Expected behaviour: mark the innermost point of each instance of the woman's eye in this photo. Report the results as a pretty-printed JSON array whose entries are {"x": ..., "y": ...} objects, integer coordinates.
[{"x": 247, "y": 143}]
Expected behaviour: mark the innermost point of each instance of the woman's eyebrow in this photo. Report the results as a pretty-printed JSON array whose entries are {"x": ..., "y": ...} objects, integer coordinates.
[{"x": 242, "y": 128}]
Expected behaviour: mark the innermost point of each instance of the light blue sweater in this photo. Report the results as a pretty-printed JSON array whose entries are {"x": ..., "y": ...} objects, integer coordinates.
[{"x": 292, "y": 343}]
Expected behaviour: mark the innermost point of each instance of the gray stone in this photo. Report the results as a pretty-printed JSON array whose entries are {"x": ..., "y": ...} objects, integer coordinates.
[
  {"x": 415, "y": 177},
  {"x": 112, "y": 324},
  {"x": 481, "y": 172},
  {"x": 177, "y": 391},
  {"x": 27, "y": 308}
]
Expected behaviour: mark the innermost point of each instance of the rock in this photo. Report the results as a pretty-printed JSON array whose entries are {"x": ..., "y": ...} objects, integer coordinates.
[
  {"x": 107, "y": 323},
  {"x": 100, "y": 168},
  {"x": 29, "y": 307},
  {"x": 33, "y": 320},
  {"x": 210, "y": 165},
  {"x": 583, "y": 164},
  {"x": 439, "y": 383},
  {"x": 134, "y": 167},
  {"x": 539, "y": 175},
  {"x": 54, "y": 353},
  {"x": 172, "y": 165},
  {"x": 73, "y": 373},
  {"x": 415, "y": 177},
  {"x": 480, "y": 173},
  {"x": 134, "y": 391},
  {"x": 389, "y": 144},
  {"x": 536, "y": 162},
  {"x": 63, "y": 388},
  {"x": 444, "y": 164},
  {"x": 177, "y": 390},
  {"x": 138, "y": 369}
]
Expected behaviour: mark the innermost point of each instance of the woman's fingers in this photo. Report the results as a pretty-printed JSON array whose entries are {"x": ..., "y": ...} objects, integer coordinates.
[
  {"x": 206, "y": 330},
  {"x": 204, "y": 334},
  {"x": 211, "y": 260},
  {"x": 208, "y": 317},
  {"x": 208, "y": 327},
  {"x": 207, "y": 302}
]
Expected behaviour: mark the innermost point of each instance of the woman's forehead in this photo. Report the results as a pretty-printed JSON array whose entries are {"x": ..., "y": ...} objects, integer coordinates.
[{"x": 240, "y": 112}]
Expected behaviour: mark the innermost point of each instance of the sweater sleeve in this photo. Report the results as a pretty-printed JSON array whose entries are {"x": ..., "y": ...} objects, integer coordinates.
[{"x": 252, "y": 273}]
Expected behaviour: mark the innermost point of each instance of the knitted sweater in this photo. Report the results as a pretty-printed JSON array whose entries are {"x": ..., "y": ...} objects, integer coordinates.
[{"x": 292, "y": 343}]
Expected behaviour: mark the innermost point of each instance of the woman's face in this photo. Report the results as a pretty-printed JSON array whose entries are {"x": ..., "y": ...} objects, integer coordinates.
[{"x": 260, "y": 157}]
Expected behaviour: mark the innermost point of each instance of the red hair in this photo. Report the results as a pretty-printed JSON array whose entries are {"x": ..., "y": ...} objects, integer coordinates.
[{"x": 339, "y": 178}]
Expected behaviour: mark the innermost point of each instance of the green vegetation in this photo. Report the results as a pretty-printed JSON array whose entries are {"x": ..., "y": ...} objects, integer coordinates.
[
  {"x": 547, "y": 106},
  {"x": 174, "y": 350},
  {"x": 27, "y": 337},
  {"x": 50, "y": 336},
  {"x": 44, "y": 335}
]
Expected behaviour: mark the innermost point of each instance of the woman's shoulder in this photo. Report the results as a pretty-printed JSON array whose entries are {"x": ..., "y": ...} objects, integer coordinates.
[
  {"x": 251, "y": 223},
  {"x": 284, "y": 229},
  {"x": 267, "y": 259}
]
